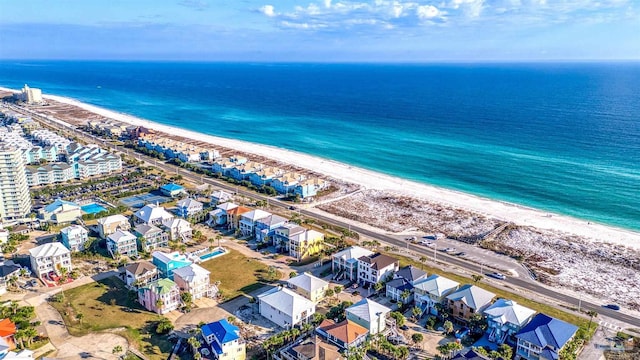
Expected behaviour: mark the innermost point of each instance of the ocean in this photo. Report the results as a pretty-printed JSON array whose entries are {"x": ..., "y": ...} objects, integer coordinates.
[{"x": 561, "y": 137}]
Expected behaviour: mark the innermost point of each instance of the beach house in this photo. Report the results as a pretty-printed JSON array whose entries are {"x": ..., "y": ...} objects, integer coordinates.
[
  {"x": 224, "y": 166},
  {"x": 224, "y": 340},
  {"x": 139, "y": 274},
  {"x": 265, "y": 228},
  {"x": 60, "y": 212},
  {"x": 167, "y": 263},
  {"x": 51, "y": 257},
  {"x": 344, "y": 264},
  {"x": 431, "y": 291},
  {"x": 285, "y": 308},
  {"x": 248, "y": 221},
  {"x": 151, "y": 214},
  {"x": 401, "y": 287},
  {"x": 122, "y": 243},
  {"x": 264, "y": 176},
  {"x": 467, "y": 301},
  {"x": 188, "y": 207},
  {"x": 309, "y": 286},
  {"x": 7, "y": 332},
  {"x": 282, "y": 234},
  {"x": 543, "y": 338},
  {"x": 306, "y": 244},
  {"x": 172, "y": 190},
  {"x": 74, "y": 237},
  {"x": 345, "y": 334},
  {"x": 178, "y": 229},
  {"x": 194, "y": 280},
  {"x": 160, "y": 296},
  {"x": 376, "y": 268},
  {"x": 242, "y": 171},
  {"x": 286, "y": 183},
  {"x": 505, "y": 318},
  {"x": 220, "y": 196},
  {"x": 110, "y": 224},
  {"x": 369, "y": 314},
  {"x": 9, "y": 271},
  {"x": 309, "y": 187},
  {"x": 470, "y": 354},
  {"x": 233, "y": 216},
  {"x": 151, "y": 237},
  {"x": 222, "y": 217}
]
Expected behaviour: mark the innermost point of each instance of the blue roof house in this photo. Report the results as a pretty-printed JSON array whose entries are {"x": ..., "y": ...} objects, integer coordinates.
[
  {"x": 167, "y": 263},
  {"x": 266, "y": 227},
  {"x": 224, "y": 340},
  {"x": 172, "y": 189},
  {"x": 543, "y": 338}
]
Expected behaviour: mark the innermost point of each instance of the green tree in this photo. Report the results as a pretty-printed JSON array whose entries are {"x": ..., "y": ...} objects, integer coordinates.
[
  {"x": 378, "y": 286},
  {"x": 116, "y": 349},
  {"x": 506, "y": 352},
  {"x": 476, "y": 278},
  {"x": 448, "y": 327},
  {"x": 80, "y": 317},
  {"x": 404, "y": 296},
  {"x": 417, "y": 338},
  {"x": 423, "y": 260},
  {"x": 416, "y": 312},
  {"x": 195, "y": 344},
  {"x": 398, "y": 317},
  {"x": 164, "y": 326},
  {"x": 293, "y": 274},
  {"x": 591, "y": 314}
]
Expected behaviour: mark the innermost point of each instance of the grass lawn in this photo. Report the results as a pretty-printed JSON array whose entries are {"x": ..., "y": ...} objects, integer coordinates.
[
  {"x": 107, "y": 304},
  {"x": 238, "y": 274},
  {"x": 500, "y": 292}
]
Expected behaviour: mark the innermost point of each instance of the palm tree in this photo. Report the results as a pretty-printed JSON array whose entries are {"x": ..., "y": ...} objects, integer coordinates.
[
  {"x": 448, "y": 327},
  {"x": 476, "y": 278},
  {"x": 195, "y": 344},
  {"x": 405, "y": 295},
  {"x": 591, "y": 314},
  {"x": 423, "y": 260},
  {"x": 30, "y": 333},
  {"x": 159, "y": 305}
]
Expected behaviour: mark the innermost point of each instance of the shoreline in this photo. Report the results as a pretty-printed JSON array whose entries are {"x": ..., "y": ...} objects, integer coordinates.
[{"x": 368, "y": 179}]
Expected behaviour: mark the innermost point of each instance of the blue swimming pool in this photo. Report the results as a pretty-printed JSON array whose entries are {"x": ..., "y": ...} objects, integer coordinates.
[
  {"x": 92, "y": 208},
  {"x": 210, "y": 255}
]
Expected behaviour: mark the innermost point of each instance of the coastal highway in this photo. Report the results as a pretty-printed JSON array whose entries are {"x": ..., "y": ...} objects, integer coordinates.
[{"x": 528, "y": 286}]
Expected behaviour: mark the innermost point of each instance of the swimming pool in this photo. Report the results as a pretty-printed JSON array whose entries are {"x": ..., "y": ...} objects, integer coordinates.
[
  {"x": 92, "y": 208},
  {"x": 210, "y": 255}
]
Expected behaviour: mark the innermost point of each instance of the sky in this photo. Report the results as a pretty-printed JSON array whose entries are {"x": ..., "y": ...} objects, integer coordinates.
[{"x": 321, "y": 30}]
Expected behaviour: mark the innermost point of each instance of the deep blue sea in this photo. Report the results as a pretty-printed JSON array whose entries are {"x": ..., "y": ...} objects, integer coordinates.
[{"x": 560, "y": 137}]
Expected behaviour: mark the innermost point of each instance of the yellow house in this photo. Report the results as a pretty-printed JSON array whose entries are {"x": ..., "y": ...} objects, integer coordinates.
[{"x": 309, "y": 286}]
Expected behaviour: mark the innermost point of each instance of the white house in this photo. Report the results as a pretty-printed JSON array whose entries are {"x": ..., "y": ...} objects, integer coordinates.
[
  {"x": 178, "y": 229},
  {"x": 431, "y": 291},
  {"x": 123, "y": 243},
  {"x": 152, "y": 214},
  {"x": 375, "y": 268},
  {"x": 195, "y": 280},
  {"x": 110, "y": 224},
  {"x": 285, "y": 308},
  {"x": 220, "y": 196},
  {"x": 506, "y": 318},
  {"x": 369, "y": 314},
  {"x": 248, "y": 221},
  {"x": 188, "y": 207},
  {"x": 402, "y": 283},
  {"x": 50, "y": 257},
  {"x": 139, "y": 274},
  {"x": 344, "y": 264},
  {"x": 74, "y": 237}
]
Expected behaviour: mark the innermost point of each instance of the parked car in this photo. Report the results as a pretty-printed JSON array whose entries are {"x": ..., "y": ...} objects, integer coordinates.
[
  {"x": 462, "y": 332},
  {"x": 448, "y": 250},
  {"x": 461, "y": 253},
  {"x": 404, "y": 327},
  {"x": 497, "y": 275},
  {"x": 612, "y": 306}
]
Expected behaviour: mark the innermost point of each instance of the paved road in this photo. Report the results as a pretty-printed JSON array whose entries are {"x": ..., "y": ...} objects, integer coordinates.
[{"x": 525, "y": 284}]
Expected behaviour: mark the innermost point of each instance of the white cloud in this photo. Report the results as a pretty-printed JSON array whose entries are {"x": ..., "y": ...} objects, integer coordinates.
[
  {"x": 268, "y": 10},
  {"x": 427, "y": 12},
  {"x": 327, "y": 3}
]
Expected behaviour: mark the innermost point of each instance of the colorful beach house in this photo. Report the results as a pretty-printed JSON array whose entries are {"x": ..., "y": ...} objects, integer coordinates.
[
  {"x": 139, "y": 274},
  {"x": 188, "y": 207},
  {"x": 74, "y": 237},
  {"x": 431, "y": 291},
  {"x": 225, "y": 165},
  {"x": 282, "y": 234},
  {"x": 265, "y": 228},
  {"x": 178, "y": 229},
  {"x": 224, "y": 340},
  {"x": 122, "y": 243},
  {"x": 543, "y": 338},
  {"x": 467, "y": 301},
  {"x": 167, "y": 263},
  {"x": 233, "y": 216},
  {"x": 110, "y": 224},
  {"x": 369, "y": 314},
  {"x": 286, "y": 183},
  {"x": 307, "y": 244},
  {"x": 51, "y": 257},
  {"x": 194, "y": 280},
  {"x": 160, "y": 296},
  {"x": 151, "y": 237},
  {"x": 285, "y": 308},
  {"x": 222, "y": 217},
  {"x": 60, "y": 212},
  {"x": 376, "y": 268},
  {"x": 151, "y": 214},
  {"x": 344, "y": 264},
  {"x": 172, "y": 190},
  {"x": 265, "y": 176},
  {"x": 345, "y": 334},
  {"x": 505, "y": 318},
  {"x": 400, "y": 288},
  {"x": 242, "y": 171},
  {"x": 248, "y": 222},
  {"x": 309, "y": 187},
  {"x": 309, "y": 286},
  {"x": 7, "y": 332},
  {"x": 220, "y": 196}
]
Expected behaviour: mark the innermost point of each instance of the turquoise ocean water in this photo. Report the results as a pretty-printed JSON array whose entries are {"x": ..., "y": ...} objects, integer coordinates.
[{"x": 562, "y": 137}]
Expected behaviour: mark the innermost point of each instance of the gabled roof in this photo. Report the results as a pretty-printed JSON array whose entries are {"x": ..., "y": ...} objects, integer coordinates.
[
  {"x": 411, "y": 273},
  {"x": 378, "y": 261},
  {"x": 160, "y": 286},
  {"x": 6, "y": 270},
  {"x": 354, "y": 252},
  {"x": 151, "y": 212},
  {"x": 255, "y": 215},
  {"x": 509, "y": 312},
  {"x": 345, "y": 331},
  {"x": 144, "y": 229},
  {"x": 62, "y": 205},
  {"x": 545, "y": 331},
  {"x": 368, "y": 310},
  {"x": 172, "y": 187},
  {"x": 74, "y": 229},
  {"x": 308, "y": 282},
  {"x": 140, "y": 268},
  {"x": 191, "y": 272},
  {"x": 118, "y": 218},
  {"x": 176, "y": 223},
  {"x": 221, "y": 195},
  {"x": 222, "y": 330},
  {"x": 401, "y": 284},
  {"x": 47, "y": 250},
  {"x": 7, "y": 328},
  {"x": 188, "y": 202},
  {"x": 120, "y": 235},
  {"x": 472, "y": 296},
  {"x": 238, "y": 210},
  {"x": 272, "y": 220},
  {"x": 291, "y": 229},
  {"x": 169, "y": 257},
  {"x": 436, "y": 285},
  {"x": 286, "y": 301},
  {"x": 226, "y": 206},
  {"x": 469, "y": 355}
]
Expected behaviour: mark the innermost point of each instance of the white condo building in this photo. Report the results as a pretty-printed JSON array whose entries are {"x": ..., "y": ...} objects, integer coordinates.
[
  {"x": 15, "y": 201},
  {"x": 30, "y": 95}
]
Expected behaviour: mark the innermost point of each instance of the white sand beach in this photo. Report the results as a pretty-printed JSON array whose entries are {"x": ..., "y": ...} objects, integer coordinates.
[{"x": 373, "y": 180}]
